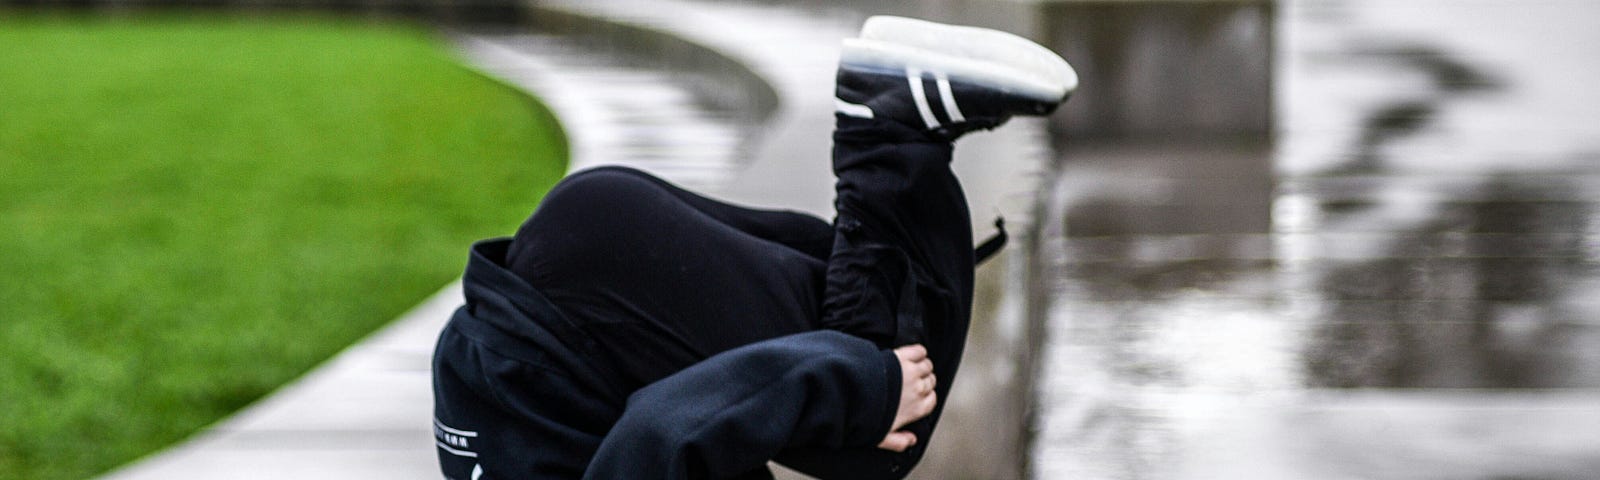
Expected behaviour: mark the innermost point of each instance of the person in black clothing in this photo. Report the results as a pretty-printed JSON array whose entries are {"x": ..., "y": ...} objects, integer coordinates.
[{"x": 632, "y": 329}]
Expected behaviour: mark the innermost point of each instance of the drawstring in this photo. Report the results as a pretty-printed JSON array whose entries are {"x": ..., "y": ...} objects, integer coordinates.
[{"x": 994, "y": 243}]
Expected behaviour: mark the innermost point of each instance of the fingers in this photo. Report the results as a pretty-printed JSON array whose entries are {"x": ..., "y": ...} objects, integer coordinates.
[
  {"x": 898, "y": 441},
  {"x": 912, "y": 353},
  {"x": 914, "y": 361},
  {"x": 917, "y": 398},
  {"x": 924, "y": 406},
  {"x": 914, "y": 408},
  {"x": 917, "y": 394},
  {"x": 923, "y": 368},
  {"x": 925, "y": 384}
]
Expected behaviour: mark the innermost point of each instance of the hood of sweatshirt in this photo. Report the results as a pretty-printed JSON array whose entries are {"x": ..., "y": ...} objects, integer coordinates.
[{"x": 511, "y": 316}]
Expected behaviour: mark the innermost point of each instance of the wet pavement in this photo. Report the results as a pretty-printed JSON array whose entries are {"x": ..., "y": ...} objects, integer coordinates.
[{"x": 1403, "y": 286}]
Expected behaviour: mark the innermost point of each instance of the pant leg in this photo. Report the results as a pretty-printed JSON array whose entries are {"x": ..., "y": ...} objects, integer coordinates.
[
  {"x": 901, "y": 270},
  {"x": 728, "y": 415},
  {"x": 800, "y": 231},
  {"x": 662, "y": 278}
]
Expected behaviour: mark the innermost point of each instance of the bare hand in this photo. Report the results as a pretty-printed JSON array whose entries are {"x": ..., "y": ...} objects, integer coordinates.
[{"x": 916, "y": 396}]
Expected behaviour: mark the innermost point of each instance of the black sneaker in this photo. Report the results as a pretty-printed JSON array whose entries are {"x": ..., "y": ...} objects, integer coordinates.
[{"x": 946, "y": 79}]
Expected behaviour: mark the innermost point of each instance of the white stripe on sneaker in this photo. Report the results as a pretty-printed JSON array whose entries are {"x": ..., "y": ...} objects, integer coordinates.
[
  {"x": 851, "y": 109},
  {"x": 914, "y": 75},
  {"x": 948, "y": 97}
]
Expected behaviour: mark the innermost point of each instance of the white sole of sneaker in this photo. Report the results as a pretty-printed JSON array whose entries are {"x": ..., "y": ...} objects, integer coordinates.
[
  {"x": 975, "y": 43},
  {"x": 896, "y": 59}
]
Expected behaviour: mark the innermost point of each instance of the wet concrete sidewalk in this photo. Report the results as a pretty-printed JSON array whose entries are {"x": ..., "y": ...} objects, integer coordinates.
[{"x": 1405, "y": 286}]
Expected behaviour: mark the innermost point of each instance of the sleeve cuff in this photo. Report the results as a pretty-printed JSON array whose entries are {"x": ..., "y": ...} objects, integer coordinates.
[{"x": 891, "y": 404}]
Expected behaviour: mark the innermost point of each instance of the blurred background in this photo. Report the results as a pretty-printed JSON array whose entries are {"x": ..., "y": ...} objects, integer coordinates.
[{"x": 1310, "y": 239}]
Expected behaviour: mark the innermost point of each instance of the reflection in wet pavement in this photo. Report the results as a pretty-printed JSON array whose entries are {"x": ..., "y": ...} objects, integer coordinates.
[{"x": 1404, "y": 286}]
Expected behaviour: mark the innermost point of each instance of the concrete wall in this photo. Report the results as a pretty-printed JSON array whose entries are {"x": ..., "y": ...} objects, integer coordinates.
[{"x": 1165, "y": 68}]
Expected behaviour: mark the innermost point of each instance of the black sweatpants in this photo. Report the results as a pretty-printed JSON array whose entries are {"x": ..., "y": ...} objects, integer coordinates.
[{"x": 723, "y": 336}]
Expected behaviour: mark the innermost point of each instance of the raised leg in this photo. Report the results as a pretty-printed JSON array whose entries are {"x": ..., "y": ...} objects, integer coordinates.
[
  {"x": 902, "y": 264},
  {"x": 901, "y": 270}
]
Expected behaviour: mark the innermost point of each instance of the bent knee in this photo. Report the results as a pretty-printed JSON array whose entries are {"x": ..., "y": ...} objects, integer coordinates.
[
  {"x": 593, "y": 185},
  {"x": 595, "y": 201}
]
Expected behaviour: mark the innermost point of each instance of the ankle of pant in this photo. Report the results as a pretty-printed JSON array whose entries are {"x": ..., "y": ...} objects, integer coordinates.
[{"x": 876, "y": 130}]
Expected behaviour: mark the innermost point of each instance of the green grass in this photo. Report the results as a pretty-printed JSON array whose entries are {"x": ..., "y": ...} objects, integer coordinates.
[{"x": 196, "y": 209}]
